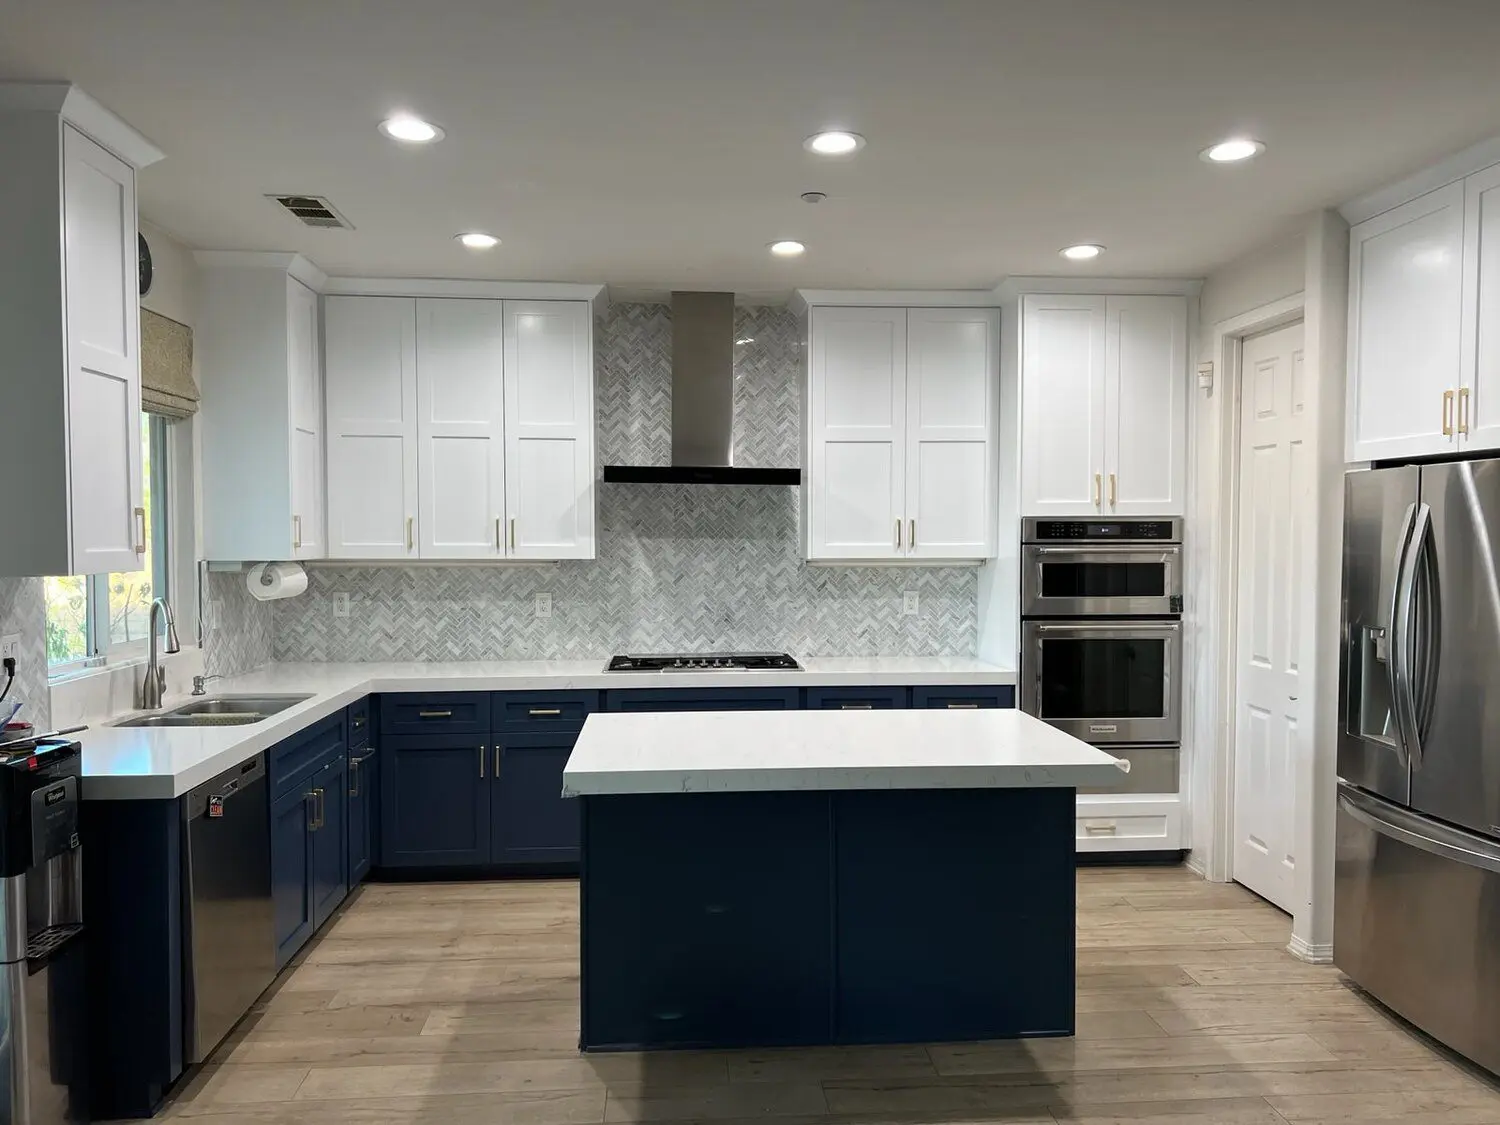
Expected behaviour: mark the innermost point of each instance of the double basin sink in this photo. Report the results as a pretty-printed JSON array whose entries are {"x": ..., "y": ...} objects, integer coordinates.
[{"x": 220, "y": 711}]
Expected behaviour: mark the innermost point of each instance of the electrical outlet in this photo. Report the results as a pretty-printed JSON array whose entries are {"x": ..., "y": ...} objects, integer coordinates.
[
  {"x": 341, "y": 604},
  {"x": 910, "y": 603},
  {"x": 10, "y": 646},
  {"x": 544, "y": 605}
]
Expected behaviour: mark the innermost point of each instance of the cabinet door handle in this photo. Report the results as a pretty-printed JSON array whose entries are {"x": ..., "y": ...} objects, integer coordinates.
[
  {"x": 911, "y": 538},
  {"x": 434, "y": 714},
  {"x": 1098, "y": 490},
  {"x": 140, "y": 519},
  {"x": 354, "y": 776},
  {"x": 1447, "y": 413},
  {"x": 410, "y": 542},
  {"x": 546, "y": 711},
  {"x": 1111, "y": 490},
  {"x": 310, "y": 800},
  {"x": 898, "y": 535},
  {"x": 1463, "y": 410},
  {"x": 499, "y": 545},
  {"x": 481, "y": 763},
  {"x": 856, "y": 706},
  {"x": 297, "y": 532},
  {"x": 512, "y": 533},
  {"x": 963, "y": 706},
  {"x": 497, "y": 760}
]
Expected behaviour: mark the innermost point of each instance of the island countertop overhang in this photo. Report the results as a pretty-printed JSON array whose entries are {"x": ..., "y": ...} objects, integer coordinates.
[{"x": 768, "y": 751}]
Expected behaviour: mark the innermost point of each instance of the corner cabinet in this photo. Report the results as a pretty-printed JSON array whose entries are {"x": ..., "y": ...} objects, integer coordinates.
[
  {"x": 901, "y": 422},
  {"x": 70, "y": 321},
  {"x": 1103, "y": 405},
  {"x": 459, "y": 428},
  {"x": 262, "y": 414}
]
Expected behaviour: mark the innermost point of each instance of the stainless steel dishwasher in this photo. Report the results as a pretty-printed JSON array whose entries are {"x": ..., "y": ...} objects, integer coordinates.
[{"x": 229, "y": 929}]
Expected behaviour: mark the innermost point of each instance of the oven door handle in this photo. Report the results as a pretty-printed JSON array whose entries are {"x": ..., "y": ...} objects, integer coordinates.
[
  {"x": 1146, "y": 552},
  {"x": 1131, "y": 628}
]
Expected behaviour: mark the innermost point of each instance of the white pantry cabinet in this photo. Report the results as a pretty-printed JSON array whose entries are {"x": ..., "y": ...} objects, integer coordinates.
[
  {"x": 1479, "y": 374},
  {"x": 69, "y": 316},
  {"x": 460, "y": 428},
  {"x": 901, "y": 423},
  {"x": 1103, "y": 405},
  {"x": 262, "y": 409}
]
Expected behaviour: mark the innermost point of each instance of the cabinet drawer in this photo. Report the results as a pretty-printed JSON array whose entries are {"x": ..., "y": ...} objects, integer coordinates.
[
  {"x": 1128, "y": 825},
  {"x": 984, "y": 695},
  {"x": 454, "y": 712},
  {"x": 291, "y": 762},
  {"x": 856, "y": 699},
  {"x": 521, "y": 711},
  {"x": 704, "y": 699},
  {"x": 359, "y": 724}
]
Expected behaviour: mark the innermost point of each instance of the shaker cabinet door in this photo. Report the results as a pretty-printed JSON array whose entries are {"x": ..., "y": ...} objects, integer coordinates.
[
  {"x": 1145, "y": 437},
  {"x": 1063, "y": 405}
]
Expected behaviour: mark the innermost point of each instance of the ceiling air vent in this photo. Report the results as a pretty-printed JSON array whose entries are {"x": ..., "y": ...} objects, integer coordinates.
[{"x": 313, "y": 211}]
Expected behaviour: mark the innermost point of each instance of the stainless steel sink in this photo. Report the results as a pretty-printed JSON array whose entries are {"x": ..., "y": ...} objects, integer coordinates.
[{"x": 220, "y": 711}]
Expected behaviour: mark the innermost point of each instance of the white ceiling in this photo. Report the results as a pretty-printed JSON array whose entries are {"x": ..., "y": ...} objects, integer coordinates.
[{"x": 653, "y": 144}]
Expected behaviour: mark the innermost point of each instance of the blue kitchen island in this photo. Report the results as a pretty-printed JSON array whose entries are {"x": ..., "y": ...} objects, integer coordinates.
[{"x": 803, "y": 878}]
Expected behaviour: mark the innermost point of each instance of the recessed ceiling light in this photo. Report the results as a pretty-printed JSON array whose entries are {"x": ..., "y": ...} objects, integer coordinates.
[
  {"x": 1082, "y": 252},
  {"x": 412, "y": 130},
  {"x": 478, "y": 240},
  {"x": 787, "y": 248},
  {"x": 1232, "y": 150},
  {"x": 834, "y": 143}
]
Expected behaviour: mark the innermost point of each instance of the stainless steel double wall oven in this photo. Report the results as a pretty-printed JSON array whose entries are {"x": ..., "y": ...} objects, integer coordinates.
[{"x": 1101, "y": 637}]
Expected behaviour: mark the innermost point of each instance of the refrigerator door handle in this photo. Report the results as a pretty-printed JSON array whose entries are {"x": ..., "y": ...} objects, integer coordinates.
[
  {"x": 1405, "y": 648},
  {"x": 1396, "y": 644},
  {"x": 1430, "y": 618},
  {"x": 1417, "y": 831}
]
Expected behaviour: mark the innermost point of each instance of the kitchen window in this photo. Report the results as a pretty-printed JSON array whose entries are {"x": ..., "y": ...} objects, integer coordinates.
[{"x": 106, "y": 614}]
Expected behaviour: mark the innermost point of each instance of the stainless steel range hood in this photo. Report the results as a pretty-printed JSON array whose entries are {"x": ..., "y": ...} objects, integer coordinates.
[{"x": 702, "y": 402}]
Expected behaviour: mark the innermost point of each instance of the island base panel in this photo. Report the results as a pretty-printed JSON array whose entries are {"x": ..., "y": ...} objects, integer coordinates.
[{"x": 796, "y": 918}]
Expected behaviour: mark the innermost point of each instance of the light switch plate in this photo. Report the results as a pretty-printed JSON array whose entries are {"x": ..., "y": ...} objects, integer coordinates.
[
  {"x": 341, "y": 604},
  {"x": 544, "y": 605},
  {"x": 10, "y": 646},
  {"x": 910, "y": 603}
]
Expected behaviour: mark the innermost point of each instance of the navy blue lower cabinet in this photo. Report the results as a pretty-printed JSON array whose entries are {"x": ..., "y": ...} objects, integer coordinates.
[
  {"x": 364, "y": 787},
  {"x": 703, "y": 927},
  {"x": 435, "y": 800},
  {"x": 530, "y": 820},
  {"x": 963, "y": 698},
  {"x": 330, "y": 872},
  {"x": 704, "y": 699},
  {"x": 291, "y": 870},
  {"x": 856, "y": 698}
]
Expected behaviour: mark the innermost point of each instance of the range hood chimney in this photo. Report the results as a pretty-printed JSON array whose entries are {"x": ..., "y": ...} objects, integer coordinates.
[{"x": 702, "y": 402}]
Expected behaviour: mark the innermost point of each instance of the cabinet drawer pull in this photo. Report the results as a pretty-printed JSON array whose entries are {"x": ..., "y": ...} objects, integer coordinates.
[
  {"x": 963, "y": 706},
  {"x": 546, "y": 711},
  {"x": 1111, "y": 490},
  {"x": 1447, "y": 413},
  {"x": 856, "y": 706},
  {"x": 1100, "y": 828},
  {"x": 140, "y": 519},
  {"x": 1463, "y": 410},
  {"x": 434, "y": 714},
  {"x": 481, "y": 763},
  {"x": 1098, "y": 490}
]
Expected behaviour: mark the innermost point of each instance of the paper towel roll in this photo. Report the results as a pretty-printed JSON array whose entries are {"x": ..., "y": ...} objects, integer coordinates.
[{"x": 269, "y": 581}]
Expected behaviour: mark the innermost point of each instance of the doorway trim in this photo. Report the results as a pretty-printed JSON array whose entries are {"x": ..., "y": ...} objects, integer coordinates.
[{"x": 1218, "y": 504}]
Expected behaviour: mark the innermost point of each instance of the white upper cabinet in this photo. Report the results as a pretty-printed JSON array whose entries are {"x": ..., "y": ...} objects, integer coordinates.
[
  {"x": 1479, "y": 390},
  {"x": 70, "y": 321},
  {"x": 952, "y": 359},
  {"x": 901, "y": 425},
  {"x": 549, "y": 430},
  {"x": 1406, "y": 305},
  {"x": 1145, "y": 406},
  {"x": 1062, "y": 405},
  {"x": 1103, "y": 406},
  {"x": 262, "y": 411},
  {"x": 460, "y": 428},
  {"x": 370, "y": 370}
]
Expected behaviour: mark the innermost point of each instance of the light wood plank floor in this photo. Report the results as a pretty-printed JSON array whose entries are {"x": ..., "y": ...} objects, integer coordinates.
[{"x": 453, "y": 1004}]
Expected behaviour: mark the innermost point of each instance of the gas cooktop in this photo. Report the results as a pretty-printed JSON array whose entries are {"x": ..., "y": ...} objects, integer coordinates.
[{"x": 704, "y": 662}]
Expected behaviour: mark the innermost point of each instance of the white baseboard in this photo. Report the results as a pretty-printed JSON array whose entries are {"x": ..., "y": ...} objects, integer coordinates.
[{"x": 1314, "y": 953}]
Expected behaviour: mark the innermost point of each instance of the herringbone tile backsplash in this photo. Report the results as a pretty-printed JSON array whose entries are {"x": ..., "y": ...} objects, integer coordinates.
[{"x": 690, "y": 567}]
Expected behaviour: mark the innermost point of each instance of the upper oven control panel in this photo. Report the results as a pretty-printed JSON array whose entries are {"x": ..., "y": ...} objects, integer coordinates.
[{"x": 1035, "y": 530}]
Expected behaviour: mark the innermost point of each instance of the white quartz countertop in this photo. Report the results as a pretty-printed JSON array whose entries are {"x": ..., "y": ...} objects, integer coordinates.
[
  {"x": 730, "y": 752},
  {"x": 128, "y": 763}
]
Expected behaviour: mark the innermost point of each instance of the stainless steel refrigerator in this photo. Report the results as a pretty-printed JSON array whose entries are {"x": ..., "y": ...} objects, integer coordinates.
[{"x": 1417, "y": 877}]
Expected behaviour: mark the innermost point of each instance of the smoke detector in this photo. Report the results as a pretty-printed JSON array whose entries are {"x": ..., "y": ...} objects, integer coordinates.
[{"x": 312, "y": 211}]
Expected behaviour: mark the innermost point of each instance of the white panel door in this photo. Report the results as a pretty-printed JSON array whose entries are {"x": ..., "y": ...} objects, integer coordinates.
[
  {"x": 1405, "y": 327},
  {"x": 1272, "y": 641},
  {"x": 305, "y": 397},
  {"x": 856, "y": 477},
  {"x": 460, "y": 428},
  {"x": 1062, "y": 405},
  {"x": 370, "y": 372},
  {"x": 1479, "y": 395},
  {"x": 549, "y": 430},
  {"x": 107, "y": 514},
  {"x": 952, "y": 382},
  {"x": 1145, "y": 406}
]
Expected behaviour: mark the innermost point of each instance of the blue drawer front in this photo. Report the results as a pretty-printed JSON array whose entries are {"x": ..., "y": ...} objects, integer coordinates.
[
  {"x": 291, "y": 762},
  {"x": 359, "y": 724},
  {"x": 987, "y": 695},
  {"x": 856, "y": 698},
  {"x": 704, "y": 699},
  {"x": 516, "y": 710},
  {"x": 450, "y": 712}
]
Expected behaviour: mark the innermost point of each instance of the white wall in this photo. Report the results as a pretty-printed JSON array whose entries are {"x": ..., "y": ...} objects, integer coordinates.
[{"x": 1258, "y": 278}]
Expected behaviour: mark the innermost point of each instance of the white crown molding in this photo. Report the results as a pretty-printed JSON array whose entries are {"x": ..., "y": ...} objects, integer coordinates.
[
  {"x": 803, "y": 299},
  {"x": 1473, "y": 159},
  {"x": 290, "y": 263},
  {"x": 1014, "y": 287},
  {"x": 597, "y": 295},
  {"x": 88, "y": 116}
]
